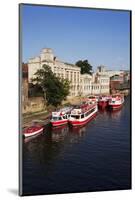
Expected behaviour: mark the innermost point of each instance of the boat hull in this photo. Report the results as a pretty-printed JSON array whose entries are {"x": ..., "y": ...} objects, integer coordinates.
[
  {"x": 59, "y": 123},
  {"x": 82, "y": 122},
  {"x": 102, "y": 104},
  {"x": 115, "y": 106},
  {"x": 27, "y": 134}
]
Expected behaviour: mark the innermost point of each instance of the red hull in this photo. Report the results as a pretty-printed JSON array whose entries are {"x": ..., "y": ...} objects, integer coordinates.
[
  {"x": 114, "y": 107},
  {"x": 31, "y": 131},
  {"x": 59, "y": 123},
  {"x": 102, "y": 104},
  {"x": 80, "y": 123}
]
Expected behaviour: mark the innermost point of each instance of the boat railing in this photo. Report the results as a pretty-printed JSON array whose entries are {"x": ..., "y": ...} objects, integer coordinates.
[{"x": 82, "y": 109}]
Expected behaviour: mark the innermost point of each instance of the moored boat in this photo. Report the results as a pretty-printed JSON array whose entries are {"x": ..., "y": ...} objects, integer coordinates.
[
  {"x": 32, "y": 130},
  {"x": 116, "y": 102},
  {"x": 60, "y": 117},
  {"x": 93, "y": 99},
  {"x": 82, "y": 114},
  {"x": 103, "y": 102}
]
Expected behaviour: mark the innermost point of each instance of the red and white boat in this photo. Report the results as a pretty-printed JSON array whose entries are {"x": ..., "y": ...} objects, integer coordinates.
[
  {"x": 103, "y": 102},
  {"x": 93, "y": 99},
  {"x": 32, "y": 130},
  {"x": 60, "y": 117},
  {"x": 116, "y": 102},
  {"x": 82, "y": 114}
]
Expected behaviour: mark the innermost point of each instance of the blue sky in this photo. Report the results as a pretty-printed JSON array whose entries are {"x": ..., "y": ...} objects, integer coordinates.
[{"x": 101, "y": 36}]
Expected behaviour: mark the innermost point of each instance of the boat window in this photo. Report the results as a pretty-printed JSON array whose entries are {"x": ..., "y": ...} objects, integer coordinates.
[
  {"x": 82, "y": 116},
  {"x": 60, "y": 118},
  {"x": 75, "y": 116},
  {"x": 86, "y": 114},
  {"x": 92, "y": 110},
  {"x": 89, "y": 112},
  {"x": 55, "y": 118},
  {"x": 65, "y": 117}
]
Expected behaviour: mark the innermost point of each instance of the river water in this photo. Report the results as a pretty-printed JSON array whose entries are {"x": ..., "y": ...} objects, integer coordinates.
[{"x": 95, "y": 157}]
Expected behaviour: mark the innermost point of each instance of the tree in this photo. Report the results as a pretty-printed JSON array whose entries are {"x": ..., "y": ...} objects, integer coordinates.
[
  {"x": 54, "y": 89},
  {"x": 35, "y": 90},
  {"x": 85, "y": 66}
]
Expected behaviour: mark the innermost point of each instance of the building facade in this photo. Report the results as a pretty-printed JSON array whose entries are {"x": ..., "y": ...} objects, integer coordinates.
[
  {"x": 103, "y": 70},
  {"x": 100, "y": 81},
  {"x": 80, "y": 84},
  {"x": 115, "y": 82},
  {"x": 85, "y": 84},
  {"x": 59, "y": 68}
]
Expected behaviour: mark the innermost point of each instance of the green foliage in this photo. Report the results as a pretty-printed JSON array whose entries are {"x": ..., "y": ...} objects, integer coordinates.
[
  {"x": 55, "y": 90},
  {"x": 85, "y": 66},
  {"x": 35, "y": 90}
]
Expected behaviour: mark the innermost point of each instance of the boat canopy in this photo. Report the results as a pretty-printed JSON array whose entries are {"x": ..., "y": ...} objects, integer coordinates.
[{"x": 56, "y": 114}]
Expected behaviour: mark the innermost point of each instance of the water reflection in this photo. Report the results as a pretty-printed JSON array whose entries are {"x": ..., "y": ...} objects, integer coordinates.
[
  {"x": 45, "y": 148},
  {"x": 59, "y": 133},
  {"x": 80, "y": 131},
  {"x": 102, "y": 111},
  {"x": 77, "y": 133},
  {"x": 42, "y": 151},
  {"x": 69, "y": 158},
  {"x": 71, "y": 134},
  {"x": 28, "y": 139},
  {"x": 116, "y": 114}
]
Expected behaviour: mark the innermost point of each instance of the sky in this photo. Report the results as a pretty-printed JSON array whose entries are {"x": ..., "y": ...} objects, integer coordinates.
[{"x": 100, "y": 36}]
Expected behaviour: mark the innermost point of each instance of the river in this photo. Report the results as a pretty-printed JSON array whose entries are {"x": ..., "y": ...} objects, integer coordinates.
[{"x": 95, "y": 157}]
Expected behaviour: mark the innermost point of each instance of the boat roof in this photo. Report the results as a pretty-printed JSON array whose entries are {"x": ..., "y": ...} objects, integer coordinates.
[
  {"x": 82, "y": 106},
  {"x": 57, "y": 114},
  {"x": 62, "y": 111}
]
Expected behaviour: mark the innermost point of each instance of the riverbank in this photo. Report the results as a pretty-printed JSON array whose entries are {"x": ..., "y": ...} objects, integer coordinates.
[
  {"x": 38, "y": 116},
  {"x": 43, "y": 116}
]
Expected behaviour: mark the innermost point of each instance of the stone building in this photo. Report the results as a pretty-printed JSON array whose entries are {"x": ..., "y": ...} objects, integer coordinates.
[
  {"x": 100, "y": 81},
  {"x": 115, "y": 82},
  {"x": 126, "y": 76},
  {"x": 59, "y": 68},
  {"x": 103, "y": 70},
  {"x": 81, "y": 84},
  {"x": 85, "y": 84}
]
